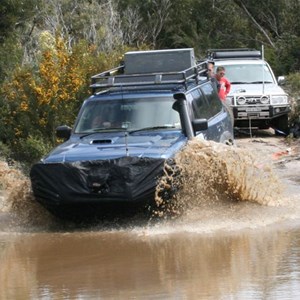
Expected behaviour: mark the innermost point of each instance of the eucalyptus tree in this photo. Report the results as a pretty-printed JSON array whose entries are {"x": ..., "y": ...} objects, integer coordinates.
[
  {"x": 94, "y": 21},
  {"x": 15, "y": 16},
  {"x": 277, "y": 24},
  {"x": 203, "y": 24},
  {"x": 16, "y": 25},
  {"x": 143, "y": 21}
]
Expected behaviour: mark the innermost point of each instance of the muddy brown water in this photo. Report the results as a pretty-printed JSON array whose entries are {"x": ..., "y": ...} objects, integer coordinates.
[{"x": 237, "y": 237}]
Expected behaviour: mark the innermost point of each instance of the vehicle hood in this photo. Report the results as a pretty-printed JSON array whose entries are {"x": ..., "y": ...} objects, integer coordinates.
[
  {"x": 102, "y": 146},
  {"x": 256, "y": 89}
]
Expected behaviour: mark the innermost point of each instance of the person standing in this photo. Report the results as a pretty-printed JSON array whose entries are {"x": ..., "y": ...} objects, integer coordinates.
[
  {"x": 223, "y": 83},
  {"x": 210, "y": 69},
  {"x": 211, "y": 74}
]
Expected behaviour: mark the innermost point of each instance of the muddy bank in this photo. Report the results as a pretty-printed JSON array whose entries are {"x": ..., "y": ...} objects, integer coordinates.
[{"x": 282, "y": 153}]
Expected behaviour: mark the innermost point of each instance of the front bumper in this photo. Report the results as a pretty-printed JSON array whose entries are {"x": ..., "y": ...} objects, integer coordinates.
[
  {"x": 122, "y": 180},
  {"x": 259, "y": 112}
]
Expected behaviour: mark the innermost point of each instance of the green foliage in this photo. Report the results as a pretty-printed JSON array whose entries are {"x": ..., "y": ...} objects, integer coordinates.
[
  {"x": 30, "y": 149},
  {"x": 293, "y": 87},
  {"x": 293, "y": 80},
  {"x": 35, "y": 101},
  {"x": 50, "y": 49},
  {"x": 11, "y": 55},
  {"x": 4, "y": 150},
  {"x": 14, "y": 16}
]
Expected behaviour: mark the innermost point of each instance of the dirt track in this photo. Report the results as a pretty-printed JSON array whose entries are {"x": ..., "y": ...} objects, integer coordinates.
[{"x": 283, "y": 153}]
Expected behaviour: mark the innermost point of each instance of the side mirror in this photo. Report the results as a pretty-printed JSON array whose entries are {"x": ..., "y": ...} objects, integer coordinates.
[
  {"x": 63, "y": 132},
  {"x": 281, "y": 80},
  {"x": 199, "y": 125}
]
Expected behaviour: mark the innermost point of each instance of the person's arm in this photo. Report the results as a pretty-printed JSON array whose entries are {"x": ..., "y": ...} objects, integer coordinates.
[{"x": 228, "y": 86}]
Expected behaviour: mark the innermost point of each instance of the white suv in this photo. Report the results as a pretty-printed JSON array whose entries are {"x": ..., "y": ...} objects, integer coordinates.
[{"x": 256, "y": 98}]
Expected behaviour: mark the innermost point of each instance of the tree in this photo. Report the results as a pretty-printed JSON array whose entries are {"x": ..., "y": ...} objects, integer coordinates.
[
  {"x": 143, "y": 21},
  {"x": 16, "y": 25},
  {"x": 35, "y": 101},
  {"x": 97, "y": 22},
  {"x": 203, "y": 24},
  {"x": 278, "y": 23},
  {"x": 15, "y": 16}
]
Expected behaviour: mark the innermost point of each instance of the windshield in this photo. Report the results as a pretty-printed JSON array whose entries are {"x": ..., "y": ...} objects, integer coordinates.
[
  {"x": 248, "y": 73},
  {"x": 127, "y": 114}
]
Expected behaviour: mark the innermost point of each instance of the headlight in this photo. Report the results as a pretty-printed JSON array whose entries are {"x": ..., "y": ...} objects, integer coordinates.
[
  {"x": 264, "y": 99},
  {"x": 279, "y": 99},
  {"x": 229, "y": 100},
  {"x": 241, "y": 100}
]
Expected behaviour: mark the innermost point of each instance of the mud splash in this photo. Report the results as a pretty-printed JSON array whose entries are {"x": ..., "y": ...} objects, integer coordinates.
[
  {"x": 208, "y": 185},
  {"x": 208, "y": 174},
  {"x": 17, "y": 200}
]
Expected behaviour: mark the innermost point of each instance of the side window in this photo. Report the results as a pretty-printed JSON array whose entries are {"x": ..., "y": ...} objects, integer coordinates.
[
  {"x": 199, "y": 105},
  {"x": 212, "y": 97}
]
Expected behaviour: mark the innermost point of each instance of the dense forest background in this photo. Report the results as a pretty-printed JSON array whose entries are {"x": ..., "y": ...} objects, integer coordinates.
[{"x": 50, "y": 48}]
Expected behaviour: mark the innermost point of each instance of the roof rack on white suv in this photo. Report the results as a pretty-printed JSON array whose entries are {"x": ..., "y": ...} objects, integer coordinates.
[{"x": 235, "y": 53}]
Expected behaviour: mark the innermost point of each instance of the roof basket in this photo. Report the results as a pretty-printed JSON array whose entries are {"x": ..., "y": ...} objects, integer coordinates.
[
  {"x": 237, "y": 53},
  {"x": 116, "y": 77}
]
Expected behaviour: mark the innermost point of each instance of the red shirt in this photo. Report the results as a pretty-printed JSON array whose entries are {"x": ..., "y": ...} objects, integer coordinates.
[{"x": 224, "y": 88}]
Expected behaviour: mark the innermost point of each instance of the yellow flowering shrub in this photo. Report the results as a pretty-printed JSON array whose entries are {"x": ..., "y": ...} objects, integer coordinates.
[{"x": 39, "y": 98}]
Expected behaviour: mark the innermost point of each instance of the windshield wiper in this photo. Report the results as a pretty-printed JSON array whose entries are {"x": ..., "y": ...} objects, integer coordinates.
[
  {"x": 239, "y": 82},
  {"x": 152, "y": 128},
  {"x": 102, "y": 129},
  {"x": 259, "y": 82}
]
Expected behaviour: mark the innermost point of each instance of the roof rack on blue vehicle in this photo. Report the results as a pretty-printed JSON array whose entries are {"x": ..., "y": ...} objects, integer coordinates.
[
  {"x": 234, "y": 53},
  {"x": 116, "y": 78}
]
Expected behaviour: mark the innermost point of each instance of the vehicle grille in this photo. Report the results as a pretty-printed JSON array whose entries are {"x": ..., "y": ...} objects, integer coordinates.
[{"x": 252, "y": 100}]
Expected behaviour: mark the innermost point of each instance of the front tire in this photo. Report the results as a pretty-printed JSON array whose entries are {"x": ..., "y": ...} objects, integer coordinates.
[{"x": 281, "y": 125}]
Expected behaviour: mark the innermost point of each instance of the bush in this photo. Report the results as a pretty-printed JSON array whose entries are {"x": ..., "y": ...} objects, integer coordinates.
[
  {"x": 30, "y": 150},
  {"x": 4, "y": 151},
  {"x": 293, "y": 88},
  {"x": 38, "y": 98}
]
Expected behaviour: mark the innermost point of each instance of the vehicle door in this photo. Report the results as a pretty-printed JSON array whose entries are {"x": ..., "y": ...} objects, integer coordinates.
[
  {"x": 198, "y": 108},
  {"x": 219, "y": 120},
  {"x": 206, "y": 104}
]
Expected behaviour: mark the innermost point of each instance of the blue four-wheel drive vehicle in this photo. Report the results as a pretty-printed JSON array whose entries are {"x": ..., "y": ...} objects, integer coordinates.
[{"x": 139, "y": 116}]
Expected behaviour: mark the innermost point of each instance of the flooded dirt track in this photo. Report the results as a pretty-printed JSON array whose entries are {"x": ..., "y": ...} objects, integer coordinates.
[
  {"x": 144, "y": 265},
  {"x": 222, "y": 247}
]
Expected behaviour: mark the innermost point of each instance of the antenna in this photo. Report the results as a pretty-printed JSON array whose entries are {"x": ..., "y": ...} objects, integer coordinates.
[
  {"x": 126, "y": 133},
  {"x": 126, "y": 143},
  {"x": 263, "y": 68}
]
